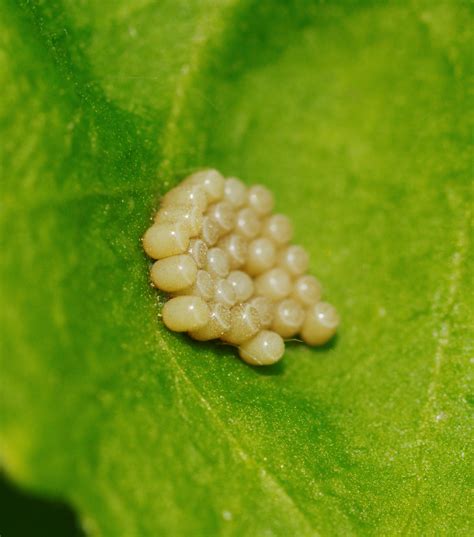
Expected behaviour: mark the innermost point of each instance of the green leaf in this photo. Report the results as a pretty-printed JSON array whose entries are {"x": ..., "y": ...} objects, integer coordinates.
[{"x": 357, "y": 115}]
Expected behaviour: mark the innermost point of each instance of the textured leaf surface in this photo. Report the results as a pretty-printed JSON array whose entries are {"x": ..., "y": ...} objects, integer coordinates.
[{"x": 356, "y": 114}]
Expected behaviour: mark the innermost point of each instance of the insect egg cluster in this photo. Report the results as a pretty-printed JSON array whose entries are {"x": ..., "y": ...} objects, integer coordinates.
[{"x": 227, "y": 263}]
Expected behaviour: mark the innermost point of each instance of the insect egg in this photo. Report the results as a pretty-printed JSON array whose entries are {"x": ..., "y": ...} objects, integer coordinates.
[
  {"x": 261, "y": 256},
  {"x": 186, "y": 195},
  {"x": 212, "y": 182},
  {"x": 242, "y": 284},
  {"x": 265, "y": 308},
  {"x": 224, "y": 292},
  {"x": 294, "y": 259},
  {"x": 245, "y": 322},
  {"x": 278, "y": 228},
  {"x": 223, "y": 214},
  {"x": 320, "y": 324},
  {"x": 174, "y": 273},
  {"x": 198, "y": 251},
  {"x": 307, "y": 290},
  {"x": 185, "y": 313},
  {"x": 230, "y": 270},
  {"x": 260, "y": 199},
  {"x": 288, "y": 318},
  {"x": 210, "y": 231},
  {"x": 203, "y": 286},
  {"x": 265, "y": 348},
  {"x": 235, "y": 192},
  {"x": 164, "y": 240},
  {"x": 190, "y": 216},
  {"x": 274, "y": 284},
  {"x": 217, "y": 263},
  {"x": 248, "y": 223},
  {"x": 219, "y": 323},
  {"x": 236, "y": 248}
]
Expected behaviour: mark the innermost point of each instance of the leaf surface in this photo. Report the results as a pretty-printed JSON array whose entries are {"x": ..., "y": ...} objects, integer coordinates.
[{"x": 357, "y": 116}]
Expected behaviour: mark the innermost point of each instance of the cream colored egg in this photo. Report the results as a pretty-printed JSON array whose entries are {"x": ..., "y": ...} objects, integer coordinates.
[
  {"x": 235, "y": 192},
  {"x": 278, "y": 228},
  {"x": 203, "y": 286},
  {"x": 188, "y": 215},
  {"x": 242, "y": 284},
  {"x": 174, "y": 273},
  {"x": 265, "y": 348},
  {"x": 245, "y": 323},
  {"x": 294, "y": 259},
  {"x": 260, "y": 199},
  {"x": 288, "y": 318},
  {"x": 261, "y": 256},
  {"x": 307, "y": 290},
  {"x": 265, "y": 308},
  {"x": 198, "y": 251},
  {"x": 210, "y": 231},
  {"x": 185, "y": 313},
  {"x": 219, "y": 323},
  {"x": 223, "y": 214},
  {"x": 193, "y": 195},
  {"x": 224, "y": 292},
  {"x": 274, "y": 284},
  {"x": 164, "y": 240},
  {"x": 248, "y": 223},
  {"x": 320, "y": 324},
  {"x": 232, "y": 274},
  {"x": 217, "y": 263},
  {"x": 212, "y": 182},
  {"x": 236, "y": 248}
]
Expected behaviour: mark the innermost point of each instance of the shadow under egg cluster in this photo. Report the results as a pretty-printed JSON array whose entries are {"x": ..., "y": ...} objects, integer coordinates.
[{"x": 231, "y": 272}]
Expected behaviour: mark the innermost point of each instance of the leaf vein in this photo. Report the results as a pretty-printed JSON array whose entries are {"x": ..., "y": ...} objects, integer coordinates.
[
  {"x": 454, "y": 278},
  {"x": 271, "y": 480}
]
